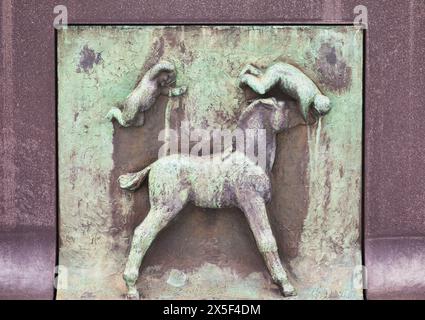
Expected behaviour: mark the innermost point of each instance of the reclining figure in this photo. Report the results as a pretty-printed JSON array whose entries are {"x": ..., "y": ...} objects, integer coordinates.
[{"x": 291, "y": 80}]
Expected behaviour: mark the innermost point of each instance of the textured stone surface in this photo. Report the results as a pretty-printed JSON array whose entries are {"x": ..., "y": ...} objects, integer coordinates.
[{"x": 315, "y": 209}]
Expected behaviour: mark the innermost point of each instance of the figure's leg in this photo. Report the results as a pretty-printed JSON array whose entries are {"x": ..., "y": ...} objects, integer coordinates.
[
  {"x": 175, "y": 92},
  {"x": 116, "y": 114},
  {"x": 143, "y": 237},
  {"x": 259, "y": 84},
  {"x": 255, "y": 211},
  {"x": 249, "y": 68}
]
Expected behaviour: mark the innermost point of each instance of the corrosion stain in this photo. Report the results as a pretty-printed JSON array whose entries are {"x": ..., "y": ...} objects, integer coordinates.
[
  {"x": 341, "y": 171},
  {"x": 290, "y": 189},
  {"x": 170, "y": 35},
  {"x": 154, "y": 57},
  {"x": 187, "y": 55},
  {"x": 332, "y": 69},
  {"x": 88, "y": 58},
  {"x": 331, "y": 56}
]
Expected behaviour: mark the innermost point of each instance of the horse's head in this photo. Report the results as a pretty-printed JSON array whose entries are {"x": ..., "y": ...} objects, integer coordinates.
[{"x": 278, "y": 115}]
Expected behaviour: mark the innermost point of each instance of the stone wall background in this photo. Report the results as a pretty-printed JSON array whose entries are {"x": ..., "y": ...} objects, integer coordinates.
[{"x": 315, "y": 210}]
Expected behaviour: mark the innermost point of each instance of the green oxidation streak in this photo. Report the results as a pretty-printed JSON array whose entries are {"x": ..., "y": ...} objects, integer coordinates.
[{"x": 335, "y": 145}]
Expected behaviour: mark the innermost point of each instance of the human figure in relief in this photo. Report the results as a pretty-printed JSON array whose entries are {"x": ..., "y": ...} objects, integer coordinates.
[
  {"x": 157, "y": 81},
  {"x": 291, "y": 80}
]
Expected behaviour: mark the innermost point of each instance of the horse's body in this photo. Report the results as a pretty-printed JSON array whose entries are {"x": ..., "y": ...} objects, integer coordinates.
[{"x": 207, "y": 182}]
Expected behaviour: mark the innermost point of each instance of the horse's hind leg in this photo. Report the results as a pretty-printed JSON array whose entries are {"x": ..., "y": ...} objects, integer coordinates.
[
  {"x": 144, "y": 234},
  {"x": 255, "y": 210}
]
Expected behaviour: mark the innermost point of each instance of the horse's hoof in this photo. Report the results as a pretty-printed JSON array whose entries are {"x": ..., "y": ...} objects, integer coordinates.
[
  {"x": 288, "y": 290},
  {"x": 133, "y": 296}
]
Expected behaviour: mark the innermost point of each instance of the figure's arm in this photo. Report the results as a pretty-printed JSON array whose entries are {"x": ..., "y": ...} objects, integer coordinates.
[
  {"x": 173, "y": 92},
  {"x": 116, "y": 114}
]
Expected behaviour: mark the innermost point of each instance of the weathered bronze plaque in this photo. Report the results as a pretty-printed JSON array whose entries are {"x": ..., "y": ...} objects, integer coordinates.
[{"x": 153, "y": 206}]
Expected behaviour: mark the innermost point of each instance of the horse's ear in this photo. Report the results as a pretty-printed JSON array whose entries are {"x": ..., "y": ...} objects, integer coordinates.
[
  {"x": 270, "y": 103},
  {"x": 265, "y": 107},
  {"x": 274, "y": 113}
]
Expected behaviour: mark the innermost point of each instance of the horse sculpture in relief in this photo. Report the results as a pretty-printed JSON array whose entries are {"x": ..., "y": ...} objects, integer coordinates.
[{"x": 228, "y": 179}]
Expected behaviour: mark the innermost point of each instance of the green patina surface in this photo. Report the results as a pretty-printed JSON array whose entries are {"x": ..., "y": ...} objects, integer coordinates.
[{"x": 99, "y": 66}]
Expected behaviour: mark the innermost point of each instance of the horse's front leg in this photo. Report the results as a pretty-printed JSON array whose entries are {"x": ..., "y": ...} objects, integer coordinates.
[
  {"x": 144, "y": 235},
  {"x": 255, "y": 210}
]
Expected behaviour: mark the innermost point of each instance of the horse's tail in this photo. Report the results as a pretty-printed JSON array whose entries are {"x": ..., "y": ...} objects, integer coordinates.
[{"x": 132, "y": 181}]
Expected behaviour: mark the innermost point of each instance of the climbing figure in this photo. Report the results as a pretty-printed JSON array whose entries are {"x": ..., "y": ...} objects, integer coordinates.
[{"x": 157, "y": 81}]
